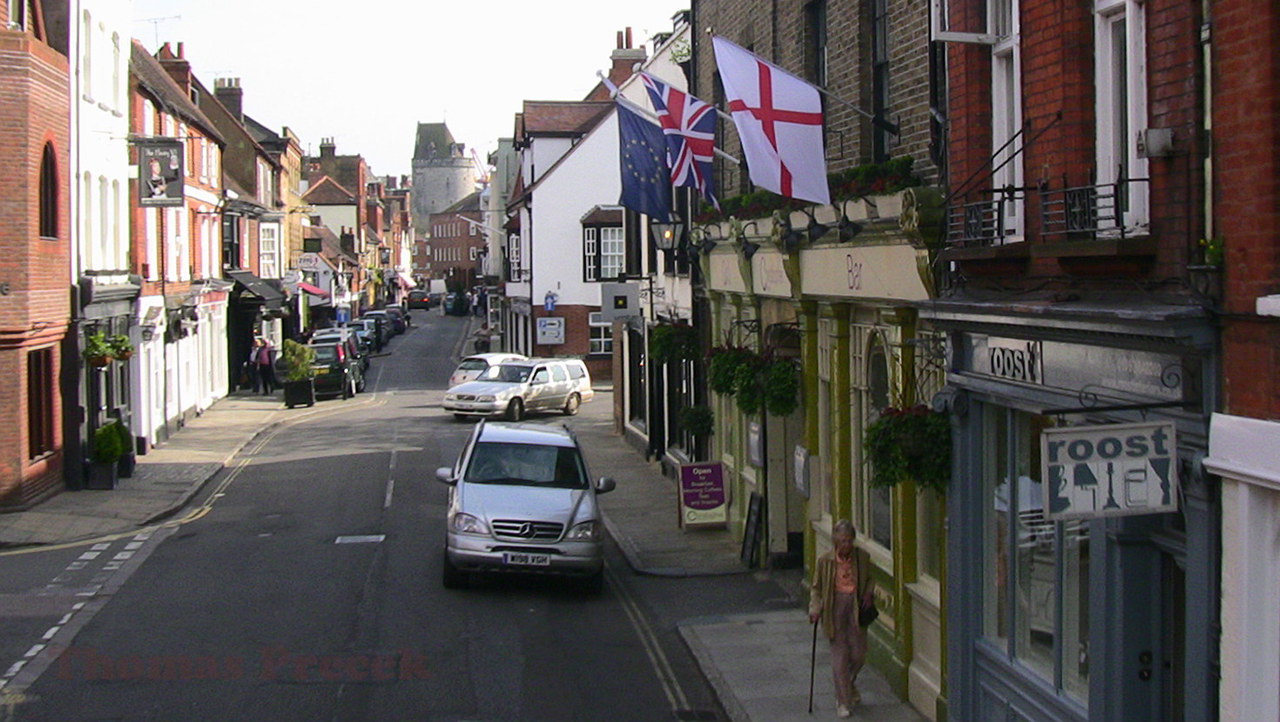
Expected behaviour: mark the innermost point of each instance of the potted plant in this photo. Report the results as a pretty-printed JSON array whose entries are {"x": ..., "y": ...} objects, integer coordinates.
[
  {"x": 299, "y": 377},
  {"x": 105, "y": 457},
  {"x": 912, "y": 443},
  {"x": 97, "y": 350},
  {"x": 121, "y": 347},
  {"x": 128, "y": 451}
]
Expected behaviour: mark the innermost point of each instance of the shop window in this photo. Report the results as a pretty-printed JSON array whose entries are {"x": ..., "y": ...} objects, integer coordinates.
[
  {"x": 1035, "y": 571},
  {"x": 40, "y": 415}
]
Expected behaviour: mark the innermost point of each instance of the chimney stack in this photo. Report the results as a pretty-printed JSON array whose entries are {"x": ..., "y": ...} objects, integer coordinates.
[
  {"x": 327, "y": 148},
  {"x": 229, "y": 93}
]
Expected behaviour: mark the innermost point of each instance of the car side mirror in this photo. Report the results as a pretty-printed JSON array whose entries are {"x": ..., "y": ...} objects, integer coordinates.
[
  {"x": 605, "y": 485},
  {"x": 445, "y": 474}
]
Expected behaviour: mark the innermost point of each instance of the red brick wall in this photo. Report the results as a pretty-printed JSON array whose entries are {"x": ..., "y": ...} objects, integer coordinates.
[
  {"x": 1246, "y": 104},
  {"x": 36, "y": 310},
  {"x": 1057, "y": 56},
  {"x": 577, "y": 340}
]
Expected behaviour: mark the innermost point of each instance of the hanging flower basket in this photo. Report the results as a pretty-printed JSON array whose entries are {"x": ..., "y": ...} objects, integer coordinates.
[
  {"x": 697, "y": 420},
  {"x": 97, "y": 349},
  {"x": 910, "y": 444},
  {"x": 121, "y": 347},
  {"x": 780, "y": 382},
  {"x": 722, "y": 369},
  {"x": 672, "y": 342}
]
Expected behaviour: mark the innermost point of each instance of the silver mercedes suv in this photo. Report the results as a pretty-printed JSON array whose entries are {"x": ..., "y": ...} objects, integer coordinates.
[{"x": 522, "y": 500}]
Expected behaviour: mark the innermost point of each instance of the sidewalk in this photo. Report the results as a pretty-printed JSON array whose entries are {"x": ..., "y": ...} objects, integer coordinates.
[
  {"x": 163, "y": 482},
  {"x": 758, "y": 663}
]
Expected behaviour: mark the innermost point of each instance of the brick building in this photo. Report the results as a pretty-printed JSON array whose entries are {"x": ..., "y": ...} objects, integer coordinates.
[
  {"x": 1244, "y": 64},
  {"x": 35, "y": 235},
  {"x": 1076, "y": 297},
  {"x": 455, "y": 239}
]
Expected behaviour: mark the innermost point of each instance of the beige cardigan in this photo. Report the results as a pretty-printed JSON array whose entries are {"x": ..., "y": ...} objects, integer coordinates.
[{"x": 822, "y": 590}]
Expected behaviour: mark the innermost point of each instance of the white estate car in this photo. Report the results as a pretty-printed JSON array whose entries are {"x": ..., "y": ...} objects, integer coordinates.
[
  {"x": 522, "y": 501},
  {"x": 516, "y": 388}
]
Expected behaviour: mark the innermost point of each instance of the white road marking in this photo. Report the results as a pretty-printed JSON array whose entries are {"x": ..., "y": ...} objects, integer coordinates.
[{"x": 360, "y": 539}]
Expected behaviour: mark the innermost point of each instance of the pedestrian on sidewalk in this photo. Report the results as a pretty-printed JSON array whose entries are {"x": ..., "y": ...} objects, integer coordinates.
[
  {"x": 264, "y": 357},
  {"x": 841, "y": 586}
]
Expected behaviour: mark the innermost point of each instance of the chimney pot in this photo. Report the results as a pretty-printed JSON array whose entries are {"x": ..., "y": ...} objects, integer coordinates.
[{"x": 181, "y": 52}]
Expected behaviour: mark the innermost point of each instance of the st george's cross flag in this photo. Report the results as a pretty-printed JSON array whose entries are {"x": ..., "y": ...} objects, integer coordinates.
[
  {"x": 779, "y": 120},
  {"x": 646, "y": 180},
  {"x": 690, "y": 128}
]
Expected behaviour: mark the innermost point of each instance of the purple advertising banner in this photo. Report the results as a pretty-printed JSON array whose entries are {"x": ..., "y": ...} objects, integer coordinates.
[{"x": 702, "y": 494}]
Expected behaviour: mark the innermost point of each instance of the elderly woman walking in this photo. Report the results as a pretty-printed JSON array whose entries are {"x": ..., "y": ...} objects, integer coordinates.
[{"x": 841, "y": 586}]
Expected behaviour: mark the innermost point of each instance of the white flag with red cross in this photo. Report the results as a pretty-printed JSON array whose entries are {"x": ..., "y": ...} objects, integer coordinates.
[{"x": 779, "y": 120}]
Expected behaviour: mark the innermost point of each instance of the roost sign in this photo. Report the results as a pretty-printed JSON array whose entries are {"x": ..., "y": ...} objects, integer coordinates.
[{"x": 1110, "y": 470}]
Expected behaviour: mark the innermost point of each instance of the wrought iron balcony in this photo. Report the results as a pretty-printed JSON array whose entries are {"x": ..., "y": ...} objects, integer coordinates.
[{"x": 1088, "y": 212}]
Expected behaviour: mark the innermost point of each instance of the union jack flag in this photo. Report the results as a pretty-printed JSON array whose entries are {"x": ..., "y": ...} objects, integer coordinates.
[{"x": 689, "y": 125}]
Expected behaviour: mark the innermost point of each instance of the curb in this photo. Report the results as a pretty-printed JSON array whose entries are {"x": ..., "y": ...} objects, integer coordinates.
[
  {"x": 706, "y": 664},
  {"x": 633, "y": 561}
]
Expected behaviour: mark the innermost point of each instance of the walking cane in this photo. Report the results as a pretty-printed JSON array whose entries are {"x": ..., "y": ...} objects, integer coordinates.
[{"x": 813, "y": 661}]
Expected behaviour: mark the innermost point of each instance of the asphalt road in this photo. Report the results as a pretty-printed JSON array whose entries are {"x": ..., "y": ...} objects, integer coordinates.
[{"x": 310, "y": 590}]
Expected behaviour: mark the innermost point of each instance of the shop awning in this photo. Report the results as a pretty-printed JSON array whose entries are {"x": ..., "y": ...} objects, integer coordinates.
[
  {"x": 313, "y": 290},
  {"x": 253, "y": 289}
]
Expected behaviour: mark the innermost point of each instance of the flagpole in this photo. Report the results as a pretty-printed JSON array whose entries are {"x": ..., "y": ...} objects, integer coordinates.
[{"x": 639, "y": 110}]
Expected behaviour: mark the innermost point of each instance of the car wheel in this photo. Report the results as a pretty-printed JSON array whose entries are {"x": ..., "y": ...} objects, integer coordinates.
[
  {"x": 450, "y": 576},
  {"x": 515, "y": 410},
  {"x": 571, "y": 405}
]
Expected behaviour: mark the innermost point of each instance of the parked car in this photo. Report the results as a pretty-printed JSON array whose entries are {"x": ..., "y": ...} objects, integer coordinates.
[
  {"x": 391, "y": 328},
  {"x": 472, "y": 367},
  {"x": 378, "y": 328},
  {"x": 515, "y": 389},
  {"x": 334, "y": 335},
  {"x": 522, "y": 500},
  {"x": 364, "y": 335},
  {"x": 399, "y": 316},
  {"x": 338, "y": 369},
  {"x": 420, "y": 299}
]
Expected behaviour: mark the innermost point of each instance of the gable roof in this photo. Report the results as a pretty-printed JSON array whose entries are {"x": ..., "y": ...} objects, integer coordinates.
[
  {"x": 153, "y": 78},
  {"x": 560, "y": 118},
  {"x": 330, "y": 244},
  {"x": 328, "y": 192}
]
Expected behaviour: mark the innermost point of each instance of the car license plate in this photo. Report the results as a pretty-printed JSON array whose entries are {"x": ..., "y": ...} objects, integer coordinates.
[{"x": 526, "y": 559}]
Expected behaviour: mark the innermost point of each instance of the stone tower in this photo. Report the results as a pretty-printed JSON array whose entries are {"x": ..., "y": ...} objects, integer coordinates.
[{"x": 443, "y": 173}]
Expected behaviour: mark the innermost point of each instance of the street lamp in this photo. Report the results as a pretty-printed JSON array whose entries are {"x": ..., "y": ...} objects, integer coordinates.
[{"x": 666, "y": 236}]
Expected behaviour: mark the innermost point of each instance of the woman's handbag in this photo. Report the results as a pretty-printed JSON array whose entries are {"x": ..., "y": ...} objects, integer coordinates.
[{"x": 867, "y": 613}]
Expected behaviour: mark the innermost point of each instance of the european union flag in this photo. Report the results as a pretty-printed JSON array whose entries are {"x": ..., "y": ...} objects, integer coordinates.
[{"x": 646, "y": 178}]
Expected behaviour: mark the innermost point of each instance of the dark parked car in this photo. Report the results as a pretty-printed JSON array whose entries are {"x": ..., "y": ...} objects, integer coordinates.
[
  {"x": 338, "y": 368},
  {"x": 420, "y": 299},
  {"x": 398, "y": 316},
  {"x": 392, "y": 328},
  {"x": 334, "y": 335}
]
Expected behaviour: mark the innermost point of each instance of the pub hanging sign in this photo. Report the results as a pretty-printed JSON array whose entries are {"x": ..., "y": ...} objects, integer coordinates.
[
  {"x": 160, "y": 173},
  {"x": 1110, "y": 470}
]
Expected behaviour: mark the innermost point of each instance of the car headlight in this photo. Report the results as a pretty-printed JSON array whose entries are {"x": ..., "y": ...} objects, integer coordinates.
[
  {"x": 585, "y": 531},
  {"x": 484, "y": 398},
  {"x": 468, "y": 524}
]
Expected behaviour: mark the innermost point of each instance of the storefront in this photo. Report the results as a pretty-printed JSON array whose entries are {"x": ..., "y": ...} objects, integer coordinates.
[{"x": 1074, "y": 593}]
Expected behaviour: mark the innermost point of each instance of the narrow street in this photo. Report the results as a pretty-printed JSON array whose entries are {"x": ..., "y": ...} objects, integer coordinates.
[{"x": 305, "y": 585}]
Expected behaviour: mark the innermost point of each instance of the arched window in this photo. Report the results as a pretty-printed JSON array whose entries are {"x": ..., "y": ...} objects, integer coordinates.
[{"x": 49, "y": 193}]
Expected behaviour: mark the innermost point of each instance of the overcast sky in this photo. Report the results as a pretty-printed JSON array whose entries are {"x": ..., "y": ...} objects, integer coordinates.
[{"x": 366, "y": 78}]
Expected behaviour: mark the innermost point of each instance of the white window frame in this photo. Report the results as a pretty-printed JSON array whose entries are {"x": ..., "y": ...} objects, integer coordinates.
[
  {"x": 1122, "y": 108},
  {"x": 1006, "y": 116},
  {"x": 601, "y": 334},
  {"x": 590, "y": 253},
  {"x": 613, "y": 251},
  {"x": 269, "y": 249}
]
